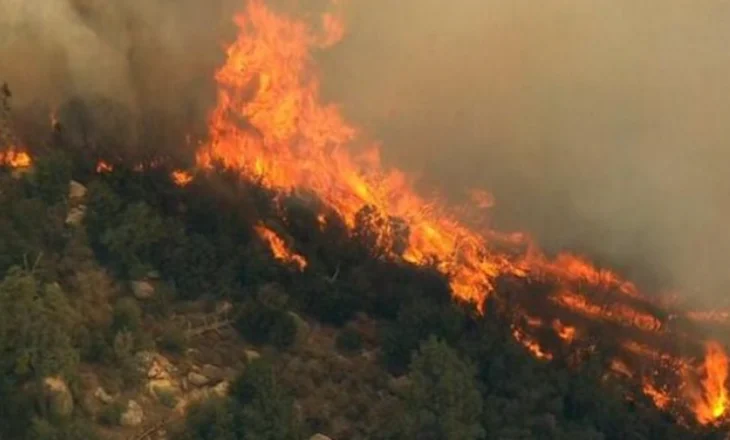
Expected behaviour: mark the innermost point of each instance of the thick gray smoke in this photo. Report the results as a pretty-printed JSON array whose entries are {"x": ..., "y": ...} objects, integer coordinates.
[
  {"x": 600, "y": 126},
  {"x": 153, "y": 59}
]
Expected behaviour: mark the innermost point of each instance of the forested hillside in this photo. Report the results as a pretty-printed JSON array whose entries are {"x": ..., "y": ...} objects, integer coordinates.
[{"x": 134, "y": 301}]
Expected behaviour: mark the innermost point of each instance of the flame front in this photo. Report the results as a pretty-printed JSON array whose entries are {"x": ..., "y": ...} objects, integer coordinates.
[
  {"x": 14, "y": 157},
  {"x": 270, "y": 126},
  {"x": 279, "y": 248},
  {"x": 711, "y": 400}
]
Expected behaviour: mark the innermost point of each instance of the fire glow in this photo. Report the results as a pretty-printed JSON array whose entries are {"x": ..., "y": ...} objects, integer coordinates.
[{"x": 291, "y": 140}]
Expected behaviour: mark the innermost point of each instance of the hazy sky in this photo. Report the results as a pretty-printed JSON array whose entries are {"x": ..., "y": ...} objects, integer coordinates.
[{"x": 599, "y": 125}]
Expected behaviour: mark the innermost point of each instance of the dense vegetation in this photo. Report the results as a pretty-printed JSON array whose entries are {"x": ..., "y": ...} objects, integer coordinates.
[{"x": 65, "y": 303}]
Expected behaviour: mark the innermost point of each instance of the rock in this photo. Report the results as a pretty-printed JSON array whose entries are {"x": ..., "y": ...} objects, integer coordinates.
[
  {"x": 197, "y": 379},
  {"x": 221, "y": 390},
  {"x": 76, "y": 191},
  {"x": 319, "y": 437},
  {"x": 103, "y": 396},
  {"x": 76, "y": 215},
  {"x": 132, "y": 416},
  {"x": 213, "y": 373},
  {"x": 399, "y": 384},
  {"x": 59, "y": 398},
  {"x": 143, "y": 289},
  {"x": 252, "y": 355}
]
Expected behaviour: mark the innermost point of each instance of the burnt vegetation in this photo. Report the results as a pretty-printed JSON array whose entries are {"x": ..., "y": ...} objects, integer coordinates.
[{"x": 421, "y": 366}]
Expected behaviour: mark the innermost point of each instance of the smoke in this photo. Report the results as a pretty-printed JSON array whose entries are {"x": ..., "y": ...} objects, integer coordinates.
[
  {"x": 599, "y": 126},
  {"x": 154, "y": 59}
]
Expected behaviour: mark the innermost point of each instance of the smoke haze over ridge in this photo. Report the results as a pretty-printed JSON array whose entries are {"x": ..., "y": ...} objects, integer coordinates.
[{"x": 598, "y": 126}]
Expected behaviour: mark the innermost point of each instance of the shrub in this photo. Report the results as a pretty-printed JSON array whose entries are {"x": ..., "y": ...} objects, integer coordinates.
[
  {"x": 111, "y": 414},
  {"x": 127, "y": 315},
  {"x": 349, "y": 340},
  {"x": 167, "y": 397},
  {"x": 283, "y": 331},
  {"x": 173, "y": 339}
]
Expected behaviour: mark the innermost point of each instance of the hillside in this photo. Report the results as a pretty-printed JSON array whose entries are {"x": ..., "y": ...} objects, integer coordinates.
[{"x": 129, "y": 287}]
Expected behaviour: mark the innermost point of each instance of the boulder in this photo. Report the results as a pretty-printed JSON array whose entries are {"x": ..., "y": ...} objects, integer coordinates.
[
  {"x": 58, "y": 396},
  {"x": 76, "y": 191},
  {"x": 213, "y": 373},
  {"x": 221, "y": 390},
  {"x": 252, "y": 355},
  {"x": 143, "y": 289},
  {"x": 197, "y": 379},
  {"x": 76, "y": 215},
  {"x": 103, "y": 396},
  {"x": 133, "y": 415},
  {"x": 319, "y": 437}
]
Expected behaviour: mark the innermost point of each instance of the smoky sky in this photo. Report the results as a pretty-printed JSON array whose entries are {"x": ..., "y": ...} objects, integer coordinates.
[{"x": 599, "y": 126}]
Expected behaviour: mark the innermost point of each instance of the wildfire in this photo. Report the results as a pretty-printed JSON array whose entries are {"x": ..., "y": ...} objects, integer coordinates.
[
  {"x": 711, "y": 400},
  {"x": 270, "y": 125},
  {"x": 279, "y": 248},
  {"x": 103, "y": 167},
  {"x": 181, "y": 178},
  {"x": 14, "y": 157}
]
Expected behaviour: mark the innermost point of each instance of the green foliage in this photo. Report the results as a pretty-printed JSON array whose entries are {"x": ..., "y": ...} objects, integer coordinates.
[
  {"x": 212, "y": 420},
  {"x": 127, "y": 315},
  {"x": 258, "y": 409},
  {"x": 111, "y": 414},
  {"x": 35, "y": 333},
  {"x": 132, "y": 242},
  {"x": 443, "y": 400},
  {"x": 51, "y": 176},
  {"x": 42, "y": 429},
  {"x": 166, "y": 397},
  {"x": 173, "y": 339},
  {"x": 416, "y": 322},
  {"x": 349, "y": 340},
  {"x": 261, "y": 323}
]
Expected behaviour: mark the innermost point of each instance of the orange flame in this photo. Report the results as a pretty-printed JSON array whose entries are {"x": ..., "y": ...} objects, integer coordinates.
[
  {"x": 181, "y": 178},
  {"x": 103, "y": 167},
  {"x": 711, "y": 401},
  {"x": 279, "y": 248},
  {"x": 269, "y": 125},
  {"x": 14, "y": 157}
]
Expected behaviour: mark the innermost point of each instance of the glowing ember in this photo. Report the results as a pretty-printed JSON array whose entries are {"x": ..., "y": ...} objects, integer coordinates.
[
  {"x": 181, "y": 178},
  {"x": 565, "y": 332},
  {"x": 661, "y": 398},
  {"x": 279, "y": 248},
  {"x": 15, "y": 158},
  {"x": 103, "y": 167},
  {"x": 531, "y": 345}
]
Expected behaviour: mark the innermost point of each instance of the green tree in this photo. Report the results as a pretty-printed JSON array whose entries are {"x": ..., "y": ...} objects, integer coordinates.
[
  {"x": 442, "y": 401},
  {"x": 35, "y": 336}
]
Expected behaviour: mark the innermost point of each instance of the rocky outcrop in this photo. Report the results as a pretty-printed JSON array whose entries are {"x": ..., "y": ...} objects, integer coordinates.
[
  {"x": 197, "y": 379},
  {"x": 132, "y": 416},
  {"x": 252, "y": 355},
  {"x": 143, "y": 289},
  {"x": 103, "y": 396},
  {"x": 58, "y": 397},
  {"x": 213, "y": 374},
  {"x": 76, "y": 191},
  {"x": 76, "y": 215}
]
